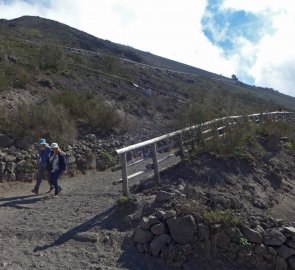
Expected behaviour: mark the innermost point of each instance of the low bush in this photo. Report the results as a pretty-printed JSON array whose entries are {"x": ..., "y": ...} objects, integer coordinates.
[
  {"x": 227, "y": 217},
  {"x": 110, "y": 64},
  {"x": 190, "y": 207},
  {"x": 234, "y": 139},
  {"x": 193, "y": 114},
  {"x": 36, "y": 121},
  {"x": 84, "y": 106},
  {"x": 14, "y": 75},
  {"x": 270, "y": 127},
  {"x": 4, "y": 80},
  {"x": 78, "y": 103},
  {"x": 51, "y": 57},
  {"x": 122, "y": 199},
  {"x": 103, "y": 117}
]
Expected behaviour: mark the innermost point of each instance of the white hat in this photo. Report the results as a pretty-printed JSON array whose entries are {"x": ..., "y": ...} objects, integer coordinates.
[{"x": 54, "y": 145}]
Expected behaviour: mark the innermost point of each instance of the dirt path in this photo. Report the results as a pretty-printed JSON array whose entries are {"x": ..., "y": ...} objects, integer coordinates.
[{"x": 38, "y": 232}]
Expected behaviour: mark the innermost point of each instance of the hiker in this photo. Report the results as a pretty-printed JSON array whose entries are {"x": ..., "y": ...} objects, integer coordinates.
[
  {"x": 43, "y": 157},
  {"x": 57, "y": 166}
]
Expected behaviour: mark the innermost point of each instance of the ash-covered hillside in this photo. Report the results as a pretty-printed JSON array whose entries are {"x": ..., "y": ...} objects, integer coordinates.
[{"x": 97, "y": 86}]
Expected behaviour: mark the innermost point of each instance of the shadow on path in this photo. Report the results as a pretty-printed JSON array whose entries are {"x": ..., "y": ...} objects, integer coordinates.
[
  {"x": 13, "y": 201},
  {"x": 97, "y": 220},
  {"x": 3, "y": 199}
]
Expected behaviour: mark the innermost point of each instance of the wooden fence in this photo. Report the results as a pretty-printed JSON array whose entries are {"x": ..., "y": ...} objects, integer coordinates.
[{"x": 177, "y": 141}]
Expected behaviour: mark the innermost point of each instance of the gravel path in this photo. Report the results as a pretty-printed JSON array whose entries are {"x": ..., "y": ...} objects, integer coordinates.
[{"x": 38, "y": 232}]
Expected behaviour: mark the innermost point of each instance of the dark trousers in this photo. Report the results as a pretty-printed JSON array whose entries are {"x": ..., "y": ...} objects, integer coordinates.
[
  {"x": 54, "y": 176},
  {"x": 42, "y": 174}
]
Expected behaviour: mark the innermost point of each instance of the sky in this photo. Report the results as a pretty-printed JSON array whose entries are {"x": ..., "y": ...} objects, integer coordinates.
[{"x": 249, "y": 38}]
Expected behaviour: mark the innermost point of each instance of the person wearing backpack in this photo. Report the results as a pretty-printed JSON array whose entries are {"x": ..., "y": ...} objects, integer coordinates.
[
  {"x": 57, "y": 166},
  {"x": 43, "y": 173}
]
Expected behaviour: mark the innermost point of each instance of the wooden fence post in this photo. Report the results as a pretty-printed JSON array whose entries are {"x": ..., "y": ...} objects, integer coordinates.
[
  {"x": 155, "y": 163},
  {"x": 181, "y": 147},
  {"x": 261, "y": 118},
  {"x": 124, "y": 174}
]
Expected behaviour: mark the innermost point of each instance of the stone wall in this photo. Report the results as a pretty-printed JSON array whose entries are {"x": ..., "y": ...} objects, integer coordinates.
[
  {"x": 255, "y": 245},
  {"x": 20, "y": 163}
]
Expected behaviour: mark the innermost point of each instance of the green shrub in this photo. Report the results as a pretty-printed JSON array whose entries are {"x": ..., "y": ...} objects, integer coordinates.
[
  {"x": 4, "y": 80},
  {"x": 107, "y": 155},
  {"x": 35, "y": 121},
  {"x": 51, "y": 57},
  {"x": 193, "y": 114},
  {"x": 234, "y": 140},
  {"x": 14, "y": 75},
  {"x": 103, "y": 117},
  {"x": 227, "y": 217},
  {"x": 110, "y": 64},
  {"x": 84, "y": 106},
  {"x": 122, "y": 199},
  {"x": 280, "y": 128},
  {"x": 290, "y": 145},
  {"x": 190, "y": 207},
  {"x": 78, "y": 103},
  {"x": 22, "y": 80},
  {"x": 34, "y": 32},
  {"x": 245, "y": 244}
]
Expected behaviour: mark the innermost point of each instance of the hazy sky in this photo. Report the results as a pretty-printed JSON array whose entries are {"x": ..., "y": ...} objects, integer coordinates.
[{"x": 250, "y": 38}]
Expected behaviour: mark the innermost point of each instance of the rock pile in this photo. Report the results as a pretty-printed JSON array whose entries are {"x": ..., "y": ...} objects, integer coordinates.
[
  {"x": 175, "y": 239},
  {"x": 259, "y": 243}
]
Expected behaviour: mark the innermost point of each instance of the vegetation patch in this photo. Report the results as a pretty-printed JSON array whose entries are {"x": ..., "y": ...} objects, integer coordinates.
[
  {"x": 227, "y": 217},
  {"x": 86, "y": 107},
  {"x": 32, "y": 120},
  {"x": 122, "y": 200}
]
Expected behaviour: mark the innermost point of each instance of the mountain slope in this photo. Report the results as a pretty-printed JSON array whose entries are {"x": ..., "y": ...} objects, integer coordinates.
[{"x": 151, "y": 93}]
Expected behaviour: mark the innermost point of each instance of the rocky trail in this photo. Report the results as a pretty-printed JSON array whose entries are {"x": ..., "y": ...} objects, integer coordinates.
[{"x": 77, "y": 230}]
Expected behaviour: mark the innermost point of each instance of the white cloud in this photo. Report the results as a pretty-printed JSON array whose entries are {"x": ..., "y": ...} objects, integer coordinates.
[
  {"x": 172, "y": 28},
  {"x": 273, "y": 55},
  {"x": 19, "y": 8}
]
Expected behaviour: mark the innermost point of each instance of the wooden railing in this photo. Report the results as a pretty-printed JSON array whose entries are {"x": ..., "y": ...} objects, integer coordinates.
[{"x": 177, "y": 140}]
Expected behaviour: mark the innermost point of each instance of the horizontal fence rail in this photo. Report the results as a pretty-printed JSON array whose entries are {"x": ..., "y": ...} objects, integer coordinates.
[{"x": 151, "y": 157}]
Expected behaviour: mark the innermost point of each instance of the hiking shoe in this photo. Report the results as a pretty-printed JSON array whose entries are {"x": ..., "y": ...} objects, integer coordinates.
[
  {"x": 35, "y": 191},
  {"x": 49, "y": 191}
]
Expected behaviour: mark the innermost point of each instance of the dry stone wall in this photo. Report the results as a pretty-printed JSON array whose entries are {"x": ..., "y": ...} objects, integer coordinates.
[
  {"x": 259, "y": 243},
  {"x": 18, "y": 161}
]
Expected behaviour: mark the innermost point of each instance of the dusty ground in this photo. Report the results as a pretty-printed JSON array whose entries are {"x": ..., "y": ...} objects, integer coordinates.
[
  {"x": 264, "y": 183},
  {"x": 37, "y": 232}
]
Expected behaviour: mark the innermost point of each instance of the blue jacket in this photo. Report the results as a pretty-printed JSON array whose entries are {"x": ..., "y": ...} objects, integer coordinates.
[{"x": 43, "y": 157}]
